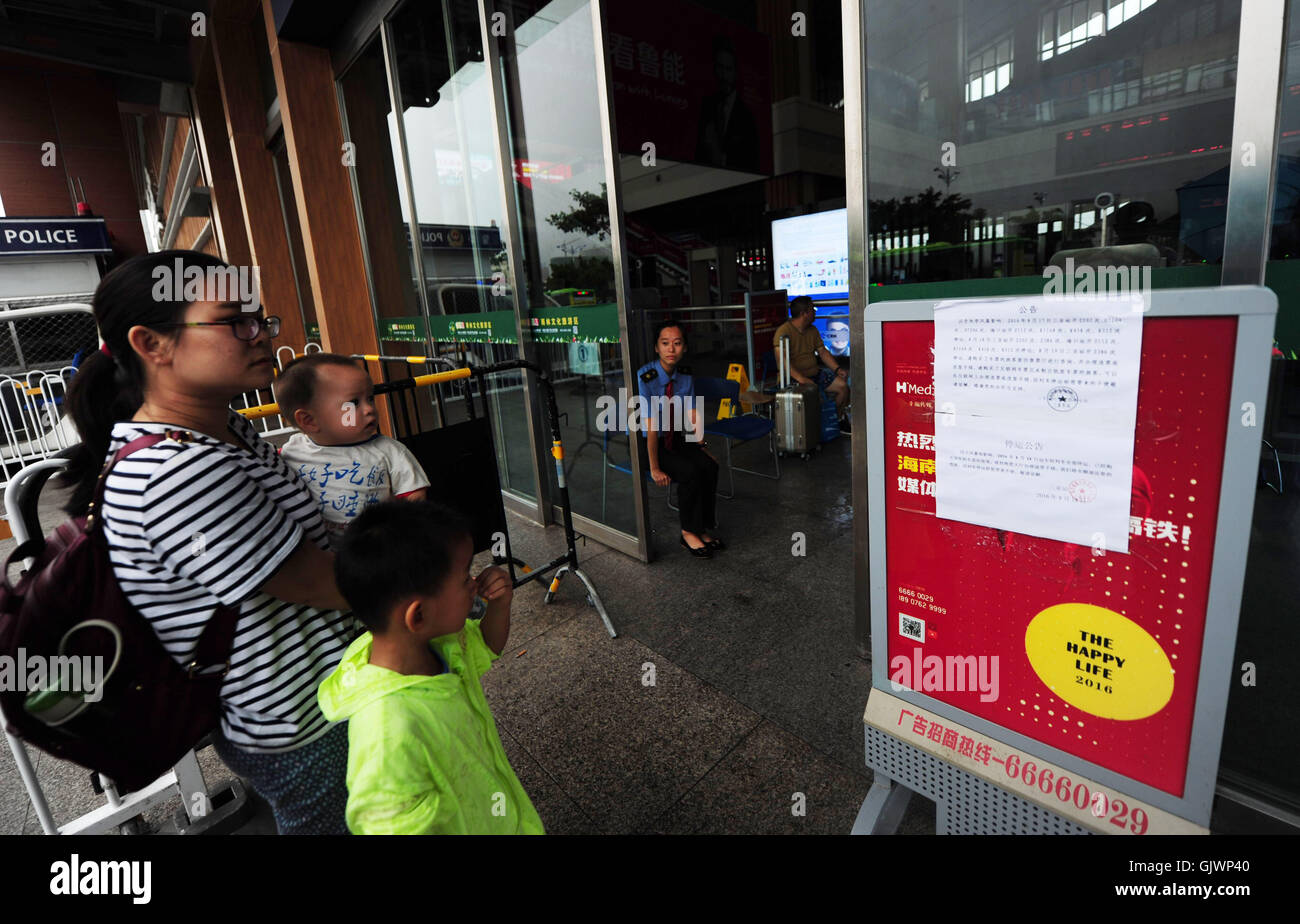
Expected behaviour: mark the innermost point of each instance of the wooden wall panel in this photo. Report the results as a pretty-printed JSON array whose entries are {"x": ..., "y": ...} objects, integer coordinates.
[
  {"x": 189, "y": 232},
  {"x": 30, "y": 188},
  {"x": 366, "y": 97},
  {"x": 76, "y": 108},
  {"x": 25, "y": 113},
  {"x": 314, "y": 138},
  {"x": 253, "y": 169},
  {"x": 230, "y": 238},
  {"x": 179, "y": 137}
]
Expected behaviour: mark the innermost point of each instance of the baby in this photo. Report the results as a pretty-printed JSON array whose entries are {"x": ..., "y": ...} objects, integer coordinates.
[{"x": 347, "y": 463}]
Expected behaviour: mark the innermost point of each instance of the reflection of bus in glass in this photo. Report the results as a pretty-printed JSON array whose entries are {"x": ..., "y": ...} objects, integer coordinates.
[{"x": 567, "y": 297}]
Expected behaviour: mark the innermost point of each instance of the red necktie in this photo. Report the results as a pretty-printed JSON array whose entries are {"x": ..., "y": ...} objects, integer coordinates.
[{"x": 668, "y": 437}]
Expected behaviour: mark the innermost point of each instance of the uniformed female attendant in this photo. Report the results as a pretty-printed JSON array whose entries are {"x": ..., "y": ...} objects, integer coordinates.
[{"x": 665, "y": 450}]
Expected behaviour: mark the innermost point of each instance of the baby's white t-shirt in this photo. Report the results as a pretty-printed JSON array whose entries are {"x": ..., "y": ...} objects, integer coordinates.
[{"x": 345, "y": 480}]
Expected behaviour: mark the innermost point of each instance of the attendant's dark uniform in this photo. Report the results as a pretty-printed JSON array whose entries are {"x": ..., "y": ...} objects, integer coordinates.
[{"x": 684, "y": 462}]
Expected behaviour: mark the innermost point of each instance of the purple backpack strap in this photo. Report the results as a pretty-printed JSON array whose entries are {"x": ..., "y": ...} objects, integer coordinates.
[
  {"x": 97, "y": 499},
  {"x": 218, "y": 635}
]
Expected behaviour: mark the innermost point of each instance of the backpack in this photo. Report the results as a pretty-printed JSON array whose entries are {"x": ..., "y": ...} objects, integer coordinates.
[{"x": 91, "y": 682}]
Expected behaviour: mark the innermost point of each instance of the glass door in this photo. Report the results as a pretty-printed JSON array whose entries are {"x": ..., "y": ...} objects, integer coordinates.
[{"x": 554, "y": 117}]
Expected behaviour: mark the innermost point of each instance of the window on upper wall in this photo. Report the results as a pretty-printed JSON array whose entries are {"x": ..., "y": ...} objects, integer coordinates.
[
  {"x": 1073, "y": 24},
  {"x": 989, "y": 70}
]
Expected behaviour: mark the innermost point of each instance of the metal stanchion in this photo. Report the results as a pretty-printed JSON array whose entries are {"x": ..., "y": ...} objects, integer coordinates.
[{"x": 568, "y": 562}]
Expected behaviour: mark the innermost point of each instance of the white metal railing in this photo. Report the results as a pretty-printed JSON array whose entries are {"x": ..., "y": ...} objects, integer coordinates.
[
  {"x": 274, "y": 424},
  {"x": 33, "y": 425},
  {"x": 35, "y": 376}
]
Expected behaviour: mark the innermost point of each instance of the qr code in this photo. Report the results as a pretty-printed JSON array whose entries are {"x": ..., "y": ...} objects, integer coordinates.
[{"x": 911, "y": 627}]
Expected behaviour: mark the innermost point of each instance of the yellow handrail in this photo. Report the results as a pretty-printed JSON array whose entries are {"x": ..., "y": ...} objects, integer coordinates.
[{"x": 433, "y": 378}]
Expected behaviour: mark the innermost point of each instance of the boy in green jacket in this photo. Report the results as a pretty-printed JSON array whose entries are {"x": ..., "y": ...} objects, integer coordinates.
[{"x": 424, "y": 756}]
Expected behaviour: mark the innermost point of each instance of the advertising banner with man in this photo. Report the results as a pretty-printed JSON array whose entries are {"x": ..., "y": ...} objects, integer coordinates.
[{"x": 695, "y": 84}]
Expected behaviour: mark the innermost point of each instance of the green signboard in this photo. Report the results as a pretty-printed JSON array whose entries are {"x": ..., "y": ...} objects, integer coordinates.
[
  {"x": 313, "y": 333},
  {"x": 575, "y": 323},
  {"x": 402, "y": 330},
  {"x": 480, "y": 327}
]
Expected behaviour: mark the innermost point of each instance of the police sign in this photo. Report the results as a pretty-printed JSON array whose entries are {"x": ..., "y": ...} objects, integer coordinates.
[
  {"x": 457, "y": 237},
  {"x": 27, "y": 236}
]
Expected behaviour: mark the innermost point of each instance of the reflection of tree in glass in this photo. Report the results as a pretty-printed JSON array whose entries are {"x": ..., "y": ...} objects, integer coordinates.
[
  {"x": 943, "y": 216},
  {"x": 589, "y": 215},
  {"x": 581, "y": 273}
]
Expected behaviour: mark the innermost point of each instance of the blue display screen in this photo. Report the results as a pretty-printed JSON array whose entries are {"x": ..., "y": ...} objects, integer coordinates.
[{"x": 834, "y": 330}]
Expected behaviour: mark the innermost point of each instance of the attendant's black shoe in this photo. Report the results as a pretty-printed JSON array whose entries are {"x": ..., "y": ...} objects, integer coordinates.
[
  {"x": 703, "y": 552},
  {"x": 716, "y": 545},
  {"x": 845, "y": 426}
]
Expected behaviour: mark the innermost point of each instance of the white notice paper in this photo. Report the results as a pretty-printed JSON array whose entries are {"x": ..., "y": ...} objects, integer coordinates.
[{"x": 1035, "y": 409}]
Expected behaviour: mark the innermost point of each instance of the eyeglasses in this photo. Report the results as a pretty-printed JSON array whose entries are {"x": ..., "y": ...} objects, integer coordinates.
[{"x": 244, "y": 327}]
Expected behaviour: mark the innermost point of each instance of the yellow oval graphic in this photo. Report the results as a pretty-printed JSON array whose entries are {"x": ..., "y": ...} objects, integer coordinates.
[{"x": 1099, "y": 661}]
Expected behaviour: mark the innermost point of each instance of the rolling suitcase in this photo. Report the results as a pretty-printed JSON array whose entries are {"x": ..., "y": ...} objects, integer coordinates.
[{"x": 797, "y": 410}]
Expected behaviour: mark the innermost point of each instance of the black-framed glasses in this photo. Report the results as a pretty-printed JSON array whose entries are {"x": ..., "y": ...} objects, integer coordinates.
[{"x": 244, "y": 327}]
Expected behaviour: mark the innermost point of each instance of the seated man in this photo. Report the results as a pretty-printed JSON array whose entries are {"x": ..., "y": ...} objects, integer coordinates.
[{"x": 806, "y": 350}]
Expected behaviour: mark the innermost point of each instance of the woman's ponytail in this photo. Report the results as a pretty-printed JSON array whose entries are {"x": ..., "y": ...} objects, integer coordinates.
[
  {"x": 110, "y": 387},
  {"x": 96, "y": 400}
]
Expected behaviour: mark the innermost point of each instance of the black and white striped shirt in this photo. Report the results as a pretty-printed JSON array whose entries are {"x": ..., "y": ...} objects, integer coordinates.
[{"x": 196, "y": 523}]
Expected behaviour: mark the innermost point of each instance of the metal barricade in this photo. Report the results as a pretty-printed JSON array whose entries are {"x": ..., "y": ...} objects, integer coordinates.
[
  {"x": 40, "y": 350},
  {"x": 566, "y": 563}
]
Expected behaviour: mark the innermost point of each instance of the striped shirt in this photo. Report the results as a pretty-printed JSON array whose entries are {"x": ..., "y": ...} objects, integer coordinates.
[{"x": 195, "y": 524}]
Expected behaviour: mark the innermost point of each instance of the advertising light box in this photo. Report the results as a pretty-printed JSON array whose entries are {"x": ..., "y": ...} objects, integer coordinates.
[
  {"x": 1111, "y": 664},
  {"x": 810, "y": 254}
]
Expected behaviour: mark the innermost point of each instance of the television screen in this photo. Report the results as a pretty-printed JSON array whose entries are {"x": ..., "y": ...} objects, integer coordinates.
[
  {"x": 834, "y": 330},
  {"x": 810, "y": 254}
]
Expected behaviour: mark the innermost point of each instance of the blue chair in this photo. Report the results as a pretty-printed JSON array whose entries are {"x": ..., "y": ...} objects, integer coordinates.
[
  {"x": 742, "y": 429},
  {"x": 627, "y": 470},
  {"x": 766, "y": 367}
]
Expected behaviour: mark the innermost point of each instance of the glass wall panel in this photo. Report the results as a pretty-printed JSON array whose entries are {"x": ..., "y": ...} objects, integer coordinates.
[
  {"x": 454, "y": 174},
  {"x": 377, "y": 173},
  {"x": 1009, "y": 136},
  {"x": 1260, "y": 749},
  {"x": 456, "y": 180},
  {"x": 549, "y": 71}
]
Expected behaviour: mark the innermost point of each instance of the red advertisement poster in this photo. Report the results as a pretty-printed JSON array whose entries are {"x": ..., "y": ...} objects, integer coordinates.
[
  {"x": 1090, "y": 651},
  {"x": 695, "y": 84},
  {"x": 768, "y": 312}
]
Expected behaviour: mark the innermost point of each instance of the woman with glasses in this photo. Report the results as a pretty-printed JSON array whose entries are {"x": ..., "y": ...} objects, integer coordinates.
[{"x": 210, "y": 517}]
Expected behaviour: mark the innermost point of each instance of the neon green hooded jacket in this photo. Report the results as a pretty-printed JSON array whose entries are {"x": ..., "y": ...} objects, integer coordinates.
[{"x": 424, "y": 756}]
